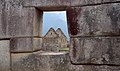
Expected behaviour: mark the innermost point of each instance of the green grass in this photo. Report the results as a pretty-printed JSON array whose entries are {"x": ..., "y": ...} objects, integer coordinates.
[{"x": 64, "y": 49}]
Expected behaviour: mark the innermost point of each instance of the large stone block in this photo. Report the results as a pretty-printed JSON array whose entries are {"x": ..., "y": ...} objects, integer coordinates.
[
  {"x": 40, "y": 61},
  {"x": 48, "y": 4},
  {"x": 61, "y": 5},
  {"x": 104, "y": 1},
  {"x": 19, "y": 21},
  {"x": 22, "y": 62},
  {"x": 90, "y": 2},
  {"x": 4, "y": 55},
  {"x": 84, "y": 2},
  {"x": 58, "y": 4},
  {"x": 4, "y": 17},
  {"x": 37, "y": 44},
  {"x": 95, "y": 50},
  {"x": 31, "y": 21},
  {"x": 50, "y": 61},
  {"x": 10, "y": 18},
  {"x": 94, "y": 20},
  {"x": 94, "y": 68},
  {"x": 25, "y": 44}
]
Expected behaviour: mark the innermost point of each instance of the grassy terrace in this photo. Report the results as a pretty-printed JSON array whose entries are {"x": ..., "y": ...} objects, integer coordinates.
[{"x": 64, "y": 49}]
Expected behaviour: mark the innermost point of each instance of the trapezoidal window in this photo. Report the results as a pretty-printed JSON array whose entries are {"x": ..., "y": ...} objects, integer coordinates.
[{"x": 55, "y": 29}]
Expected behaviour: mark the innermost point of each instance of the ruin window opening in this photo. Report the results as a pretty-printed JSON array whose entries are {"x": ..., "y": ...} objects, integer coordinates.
[{"x": 55, "y": 22}]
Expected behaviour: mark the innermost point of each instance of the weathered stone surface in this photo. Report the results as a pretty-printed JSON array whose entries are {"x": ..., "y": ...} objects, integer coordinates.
[
  {"x": 84, "y": 2},
  {"x": 31, "y": 21},
  {"x": 94, "y": 68},
  {"x": 104, "y": 1},
  {"x": 37, "y": 44},
  {"x": 51, "y": 44},
  {"x": 77, "y": 52},
  {"x": 14, "y": 23},
  {"x": 4, "y": 55},
  {"x": 62, "y": 4},
  {"x": 40, "y": 61},
  {"x": 50, "y": 61},
  {"x": 18, "y": 21},
  {"x": 4, "y": 14},
  {"x": 25, "y": 44},
  {"x": 63, "y": 40},
  {"x": 22, "y": 62},
  {"x": 48, "y": 4},
  {"x": 10, "y": 18},
  {"x": 90, "y": 2},
  {"x": 95, "y": 50},
  {"x": 94, "y": 20}
]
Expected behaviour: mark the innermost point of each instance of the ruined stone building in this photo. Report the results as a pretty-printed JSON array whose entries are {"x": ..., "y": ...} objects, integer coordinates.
[
  {"x": 63, "y": 41},
  {"x": 93, "y": 26},
  {"x": 53, "y": 40},
  {"x": 50, "y": 41}
]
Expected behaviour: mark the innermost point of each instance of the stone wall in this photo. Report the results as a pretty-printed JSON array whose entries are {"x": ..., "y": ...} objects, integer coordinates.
[
  {"x": 50, "y": 44},
  {"x": 63, "y": 41},
  {"x": 4, "y": 55},
  {"x": 94, "y": 29},
  {"x": 96, "y": 34}
]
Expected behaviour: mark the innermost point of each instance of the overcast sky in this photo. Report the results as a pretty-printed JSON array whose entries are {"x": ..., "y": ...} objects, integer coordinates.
[{"x": 56, "y": 20}]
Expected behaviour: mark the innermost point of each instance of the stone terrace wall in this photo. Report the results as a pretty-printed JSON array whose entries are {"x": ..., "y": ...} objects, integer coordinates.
[{"x": 94, "y": 28}]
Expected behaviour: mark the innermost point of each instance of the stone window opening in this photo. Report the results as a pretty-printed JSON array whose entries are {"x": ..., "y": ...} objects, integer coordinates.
[{"x": 56, "y": 20}]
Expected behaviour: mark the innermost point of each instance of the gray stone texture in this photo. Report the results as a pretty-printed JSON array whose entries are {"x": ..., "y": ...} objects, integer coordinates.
[
  {"x": 97, "y": 20},
  {"x": 58, "y": 4},
  {"x": 62, "y": 4},
  {"x": 4, "y": 55},
  {"x": 22, "y": 62},
  {"x": 95, "y": 50},
  {"x": 4, "y": 9},
  {"x": 84, "y": 2},
  {"x": 94, "y": 68},
  {"x": 19, "y": 21},
  {"x": 50, "y": 61},
  {"x": 40, "y": 61},
  {"x": 51, "y": 44},
  {"x": 104, "y": 1},
  {"x": 32, "y": 21},
  {"x": 20, "y": 18},
  {"x": 48, "y": 4},
  {"x": 25, "y": 44}
]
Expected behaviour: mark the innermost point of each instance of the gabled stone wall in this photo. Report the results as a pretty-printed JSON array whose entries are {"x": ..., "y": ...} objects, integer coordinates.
[{"x": 63, "y": 41}]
